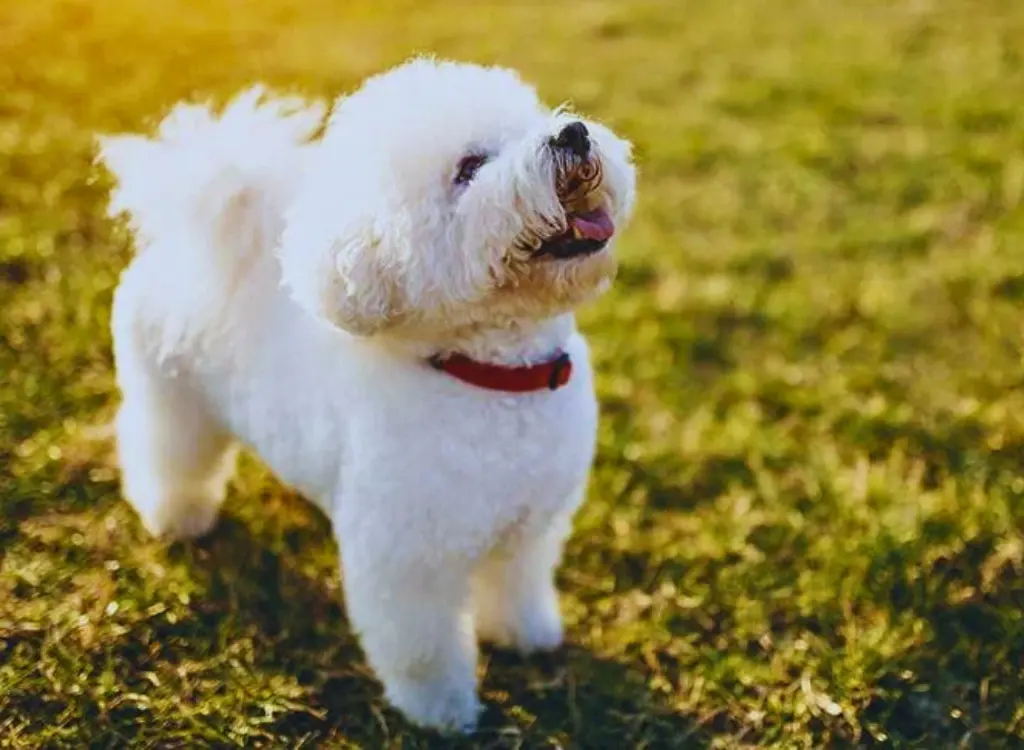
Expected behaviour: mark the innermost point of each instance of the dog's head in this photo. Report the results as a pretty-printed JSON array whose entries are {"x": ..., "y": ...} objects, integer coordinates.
[{"x": 444, "y": 195}]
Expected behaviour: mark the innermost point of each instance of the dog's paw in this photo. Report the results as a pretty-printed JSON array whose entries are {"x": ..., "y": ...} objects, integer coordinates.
[
  {"x": 537, "y": 627},
  {"x": 179, "y": 518},
  {"x": 448, "y": 708}
]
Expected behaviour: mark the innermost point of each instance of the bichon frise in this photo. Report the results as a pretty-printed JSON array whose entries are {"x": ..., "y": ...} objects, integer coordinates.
[{"x": 384, "y": 315}]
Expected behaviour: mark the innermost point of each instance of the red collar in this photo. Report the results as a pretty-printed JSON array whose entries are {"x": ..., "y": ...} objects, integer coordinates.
[{"x": 549, "y": 375}]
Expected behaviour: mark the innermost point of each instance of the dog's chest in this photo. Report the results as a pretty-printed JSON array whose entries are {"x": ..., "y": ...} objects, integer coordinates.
[
  {"x": 532, "y": 452},
  {"x": 477, "y": 463}
]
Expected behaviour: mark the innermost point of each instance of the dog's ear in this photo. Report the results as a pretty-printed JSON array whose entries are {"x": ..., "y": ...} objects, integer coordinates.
[{"x": 346, "y": 275}]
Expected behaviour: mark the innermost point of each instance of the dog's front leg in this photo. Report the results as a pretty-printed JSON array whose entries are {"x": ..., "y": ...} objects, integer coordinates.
[
  {"x": 514, "y": 594},
  {"x": 415, "y": 623}
]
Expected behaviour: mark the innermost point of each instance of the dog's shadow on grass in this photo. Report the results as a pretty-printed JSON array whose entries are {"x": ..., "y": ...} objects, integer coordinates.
[{"x": 294, "y": 618}]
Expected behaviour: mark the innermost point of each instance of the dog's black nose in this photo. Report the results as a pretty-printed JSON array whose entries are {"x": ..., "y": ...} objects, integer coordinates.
[{"x": 574, "y": 137}]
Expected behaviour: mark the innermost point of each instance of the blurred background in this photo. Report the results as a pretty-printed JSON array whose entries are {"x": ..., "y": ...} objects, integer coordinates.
[{"x": 805, "y": 523}]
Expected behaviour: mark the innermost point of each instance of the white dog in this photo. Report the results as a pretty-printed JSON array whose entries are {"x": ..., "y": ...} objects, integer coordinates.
[{"x": 384, "y": 314}]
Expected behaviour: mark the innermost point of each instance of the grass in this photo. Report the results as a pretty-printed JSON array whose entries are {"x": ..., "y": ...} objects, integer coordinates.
[{"x": 805, "y": 524}]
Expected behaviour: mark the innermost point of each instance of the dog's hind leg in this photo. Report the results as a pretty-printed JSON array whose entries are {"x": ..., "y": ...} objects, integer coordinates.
[
  {"x": 175, "y": 462},
  {"x": 175, "y": 459}
]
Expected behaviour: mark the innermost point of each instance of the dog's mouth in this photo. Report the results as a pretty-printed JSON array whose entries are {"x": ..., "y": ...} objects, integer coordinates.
[{"x": 588, "y": 233}]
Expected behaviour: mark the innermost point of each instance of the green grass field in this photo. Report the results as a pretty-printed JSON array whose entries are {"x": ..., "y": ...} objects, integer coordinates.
[{"x": 805, "y": 524}]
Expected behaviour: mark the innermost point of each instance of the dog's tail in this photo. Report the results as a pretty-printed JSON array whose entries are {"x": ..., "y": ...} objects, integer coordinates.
[{"x": 212, "y": 182}]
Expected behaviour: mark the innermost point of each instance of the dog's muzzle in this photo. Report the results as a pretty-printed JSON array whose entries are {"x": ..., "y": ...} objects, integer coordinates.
[
  {"x": 578, "y": 176},
  {"x": 575, "y": 137}
]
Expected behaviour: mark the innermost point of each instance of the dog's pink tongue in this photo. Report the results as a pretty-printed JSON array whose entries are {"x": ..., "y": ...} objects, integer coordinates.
[{"x": 593, "y": 225}]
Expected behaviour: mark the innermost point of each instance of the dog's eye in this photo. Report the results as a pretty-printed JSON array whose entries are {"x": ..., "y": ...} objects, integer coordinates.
[{"x": 468, "y": 167}]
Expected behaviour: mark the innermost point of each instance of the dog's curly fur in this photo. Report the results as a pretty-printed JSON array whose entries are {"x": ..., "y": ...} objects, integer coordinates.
[{"x": 286, "y": 295}]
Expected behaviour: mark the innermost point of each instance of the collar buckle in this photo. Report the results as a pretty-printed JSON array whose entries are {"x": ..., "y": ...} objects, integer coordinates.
[{"x": 561, "y": 370}]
